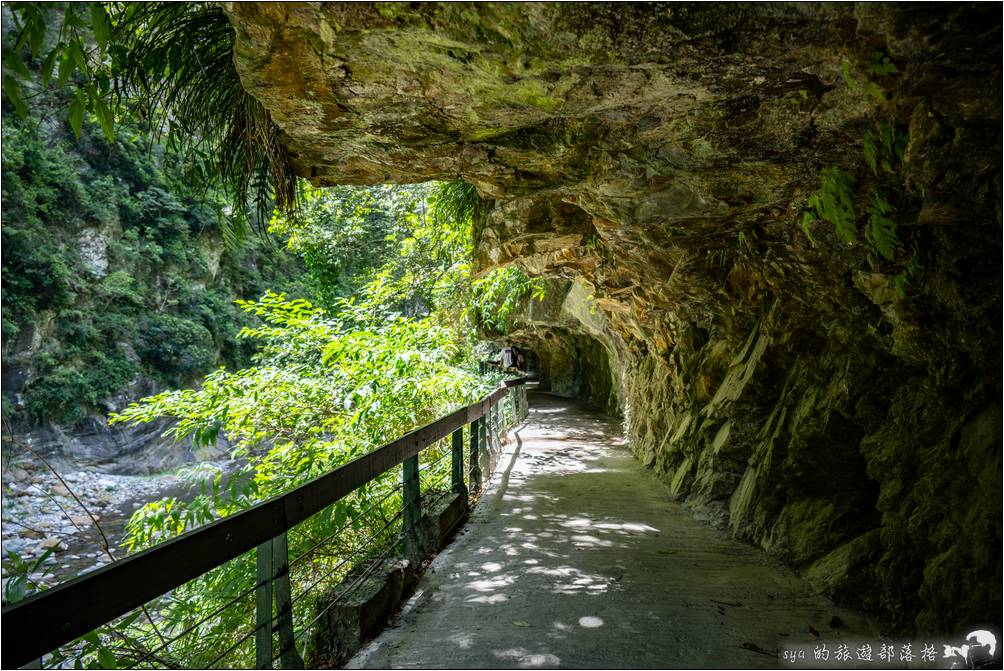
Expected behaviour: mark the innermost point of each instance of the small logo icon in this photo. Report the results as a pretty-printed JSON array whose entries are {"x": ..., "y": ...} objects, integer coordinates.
[{"x": 979, "y": 649}]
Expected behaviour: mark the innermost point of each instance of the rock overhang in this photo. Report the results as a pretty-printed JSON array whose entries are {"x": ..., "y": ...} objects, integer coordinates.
[{"x": 660, "y": 157}]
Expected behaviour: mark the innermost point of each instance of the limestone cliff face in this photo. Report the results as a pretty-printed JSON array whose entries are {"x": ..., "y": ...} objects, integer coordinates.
[{"x": 829, "y": 394}]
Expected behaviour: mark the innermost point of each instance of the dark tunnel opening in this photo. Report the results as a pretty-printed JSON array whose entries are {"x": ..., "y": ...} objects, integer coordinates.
[{"x": 573, "y": 365}]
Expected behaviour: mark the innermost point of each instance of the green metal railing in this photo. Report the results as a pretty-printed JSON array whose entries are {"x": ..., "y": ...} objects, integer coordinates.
[{"x": 44, "y": 622}]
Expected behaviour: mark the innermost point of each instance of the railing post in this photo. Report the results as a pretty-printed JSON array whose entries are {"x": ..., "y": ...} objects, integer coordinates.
[
  {"x": 503, "y": 413},
  {"x": 492, "y": 435},
  {"x": 289, "y": 658},
  {"x": 457, "y": 463},
  {"x": 475, "y": 455},
  {"x": 272, "y": 577},
  {"x": 499, "y": 423},
  {"x": 412, "y": 509},
  {"x": 263, "y": 607},
  {"x": 514, "y": 403},
  {"x": 485, "y": 445}
]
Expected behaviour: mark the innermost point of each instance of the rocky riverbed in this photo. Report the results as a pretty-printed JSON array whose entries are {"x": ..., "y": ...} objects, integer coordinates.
[{"x": 39, "y": 512}]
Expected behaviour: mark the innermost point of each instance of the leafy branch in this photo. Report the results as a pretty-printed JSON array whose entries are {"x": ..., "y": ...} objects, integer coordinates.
[{"x": 496, "y": 297}]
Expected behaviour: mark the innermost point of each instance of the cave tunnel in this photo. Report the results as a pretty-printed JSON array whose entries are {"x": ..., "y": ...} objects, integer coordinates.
[
  {"x": 821, "y": 381},
  {"x": 573, "y": 365}
]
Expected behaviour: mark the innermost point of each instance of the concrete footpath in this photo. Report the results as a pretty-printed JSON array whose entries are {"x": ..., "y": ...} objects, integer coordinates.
[{"x": 575, "y": 557}]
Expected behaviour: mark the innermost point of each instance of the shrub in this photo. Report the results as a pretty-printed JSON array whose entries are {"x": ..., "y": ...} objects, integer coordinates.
[
  {"x": 176, "y": 348},
  {"x": 121, "y": 287},
  {"x": 107, "y": 374},
  {"x": 56, "y": 396}
]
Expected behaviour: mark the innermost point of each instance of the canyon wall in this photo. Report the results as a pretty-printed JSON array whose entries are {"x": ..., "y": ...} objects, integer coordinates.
[{"x": 117, "y": 284}]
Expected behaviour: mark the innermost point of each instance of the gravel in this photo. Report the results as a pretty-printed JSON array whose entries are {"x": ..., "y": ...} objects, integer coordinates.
[{"x": 39, "y": 512}]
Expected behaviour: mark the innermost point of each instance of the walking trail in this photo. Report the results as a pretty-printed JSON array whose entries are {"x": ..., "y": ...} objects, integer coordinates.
[{"x": 576, "y": 557}]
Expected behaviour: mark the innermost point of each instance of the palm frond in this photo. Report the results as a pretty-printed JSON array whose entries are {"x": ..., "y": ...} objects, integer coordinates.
[
  {"x": 458, "y": 201},
  {"x": 176, "y": 66}
]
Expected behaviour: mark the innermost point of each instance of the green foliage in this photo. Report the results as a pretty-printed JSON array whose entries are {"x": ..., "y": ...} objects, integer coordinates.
[
  {"x": 74, "y": 54},
  {"x": 345, "y": 235},
  {"x": 745, "y": 243},
  {"x": 121, "y": 287},
  {"x": 871, "y": 151},
  {"x": 884, "y": 148},
  {"x": 168, "y": 63},
  {"x": 176, "y": 347},
  {"x": 863, "y": 86},
  {"x": 57, "y": 395},
  {"x": 64, "y": 390},
  {"x": 460, "y": 201},
  {"x": 18, "y": 575},
  {"x": 325, "y": 388},
  {"x": 177, "y": 62},
  {"x": 880, "y": 231},
  {"x": 910, "y": 271},
  {"x": 833, "y": 203},
  {"x": 497, "y": 296},
  {"x": 797, "y": 98},
  {"x": 389, "y": 350},
  {"x": 336, "y": 379},
  {"x": 156, "y": 241},
  {"x": 806, "y": 225},
  {"x": 881, "y": 65},
  {"x": 393, "y": 249}
]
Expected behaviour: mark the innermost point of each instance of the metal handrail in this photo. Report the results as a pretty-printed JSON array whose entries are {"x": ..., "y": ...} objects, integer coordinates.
[{"x": 42, "y": 622}]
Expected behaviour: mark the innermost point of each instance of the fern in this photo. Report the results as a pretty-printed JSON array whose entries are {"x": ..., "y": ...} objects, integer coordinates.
[
  {"x": 833, "y": 202},
  {"x": 884, "y": 147},
  {"x": 848, "y": 78},
  {"x": 880, "y": 232},
  {"x": 871, "y": 150},
  {"x": 893, "y": 144},
  {"x": 808, "y": 219},
  {"x": 881, "y": 65},
  {"x": 903, "y": 279},
  {"x": 866, "y": 86}
]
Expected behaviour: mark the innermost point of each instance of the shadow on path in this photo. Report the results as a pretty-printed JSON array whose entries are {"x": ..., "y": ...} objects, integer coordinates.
[{"x": 576, "y": 557}]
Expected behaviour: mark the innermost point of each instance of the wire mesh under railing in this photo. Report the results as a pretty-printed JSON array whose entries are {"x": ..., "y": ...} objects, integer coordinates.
[
  {"x": 175, "y": 630},
  {"x": 211, "y": 621},
  {"x": 265, "y": 605}
]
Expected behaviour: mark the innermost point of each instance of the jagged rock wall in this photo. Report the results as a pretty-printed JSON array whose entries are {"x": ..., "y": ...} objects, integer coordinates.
[{"x": 838, "y": 405}]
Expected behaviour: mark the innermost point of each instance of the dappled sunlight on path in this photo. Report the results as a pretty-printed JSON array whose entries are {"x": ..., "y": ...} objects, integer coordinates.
[{"x": 576, "y": 557}]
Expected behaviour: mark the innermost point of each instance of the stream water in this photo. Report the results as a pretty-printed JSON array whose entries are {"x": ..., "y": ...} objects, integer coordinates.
[{"x": 39, "y": 512}]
